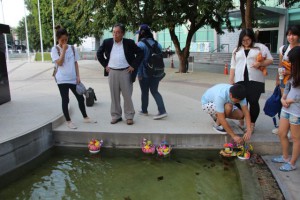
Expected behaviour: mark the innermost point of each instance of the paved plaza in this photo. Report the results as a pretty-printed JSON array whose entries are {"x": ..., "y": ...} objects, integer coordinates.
[{"x": 35, "y": 101}]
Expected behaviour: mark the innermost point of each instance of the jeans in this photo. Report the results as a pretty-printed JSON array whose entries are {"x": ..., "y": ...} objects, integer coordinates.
[{"x": 152, "y": 84}]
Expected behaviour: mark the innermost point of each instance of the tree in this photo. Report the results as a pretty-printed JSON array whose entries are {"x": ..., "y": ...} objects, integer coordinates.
[
  {"x": 168, "y": 14},
  {"x": 70, "y": 14},
  {"x": 247, "y": 7},
  {"x": 194, "y": 15},
  {"x": 290, "y": 3}
]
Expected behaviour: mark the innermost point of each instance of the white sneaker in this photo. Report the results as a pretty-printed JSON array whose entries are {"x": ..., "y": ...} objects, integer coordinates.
[
  {"x": 71, "y": 125},
  {"x": 219, "y": 129},
  {"x": 160, "y": 116},
  {"x": 89, "y": 120},
  {"x": 275, "y": 131}
]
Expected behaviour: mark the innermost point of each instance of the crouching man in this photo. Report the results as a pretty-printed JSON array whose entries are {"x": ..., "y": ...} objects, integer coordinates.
[{"x": 219, "y": 102}]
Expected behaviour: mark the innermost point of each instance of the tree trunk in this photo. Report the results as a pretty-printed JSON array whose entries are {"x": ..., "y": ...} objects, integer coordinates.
[
  {"x": 183, "y": 54},
  {"x": 248, "y": 14}
]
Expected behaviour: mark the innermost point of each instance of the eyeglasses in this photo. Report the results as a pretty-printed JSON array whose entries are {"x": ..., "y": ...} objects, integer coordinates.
[{"x": 246, "y": 40}]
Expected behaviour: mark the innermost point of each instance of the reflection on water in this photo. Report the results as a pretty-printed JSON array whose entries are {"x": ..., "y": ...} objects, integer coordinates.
[{"x": 72, "y": 173}]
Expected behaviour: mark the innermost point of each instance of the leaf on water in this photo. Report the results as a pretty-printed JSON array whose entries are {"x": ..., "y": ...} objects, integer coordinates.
[
  {"x": 160, "y": 178},
  {"x": 197, "y": 173},
  {"x": 199, "y": 193}
]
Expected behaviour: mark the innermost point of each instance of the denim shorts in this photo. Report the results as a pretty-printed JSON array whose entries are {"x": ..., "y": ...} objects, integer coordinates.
[{"x": 292, "y": 119}]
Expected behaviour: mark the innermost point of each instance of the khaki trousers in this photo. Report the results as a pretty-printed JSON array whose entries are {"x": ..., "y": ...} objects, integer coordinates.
[{"x": 120, "y": 82}]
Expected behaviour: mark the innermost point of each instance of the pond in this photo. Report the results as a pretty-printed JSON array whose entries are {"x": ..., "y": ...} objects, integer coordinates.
[{"x": 74, "y": 173}]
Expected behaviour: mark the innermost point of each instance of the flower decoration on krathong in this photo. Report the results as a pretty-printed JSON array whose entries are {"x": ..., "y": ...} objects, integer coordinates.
[
  {"x": 163, "y": 149},
  {"x": 95, "y": 145},
  {"x": 148, "y": 146},
  {"x": 245, "y": 151},
  {"x": 229, "y": 150}
]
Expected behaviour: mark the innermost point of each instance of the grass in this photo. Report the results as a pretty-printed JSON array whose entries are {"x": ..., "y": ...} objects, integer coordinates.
[{"x": 47, "y": 56}]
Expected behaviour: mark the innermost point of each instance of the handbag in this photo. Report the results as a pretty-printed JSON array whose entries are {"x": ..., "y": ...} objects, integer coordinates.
[{"x": 80, "y": 89}]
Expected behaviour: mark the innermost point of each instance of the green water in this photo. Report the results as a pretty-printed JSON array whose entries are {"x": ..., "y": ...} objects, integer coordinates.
[{"x": 115, "y": 174}]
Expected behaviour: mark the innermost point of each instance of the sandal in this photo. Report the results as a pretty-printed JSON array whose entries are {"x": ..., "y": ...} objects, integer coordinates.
[
  {"x": 287, "y": 167},
  {"x": 280, "y": 159}
]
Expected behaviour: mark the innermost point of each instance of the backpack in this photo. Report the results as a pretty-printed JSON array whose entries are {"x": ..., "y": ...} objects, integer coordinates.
[
  {"x": 155, "y": 65},
  {"x": 273, "y": 104},
  {"x": 90, "y": 97},
  {"x": 284, "y": 49}
]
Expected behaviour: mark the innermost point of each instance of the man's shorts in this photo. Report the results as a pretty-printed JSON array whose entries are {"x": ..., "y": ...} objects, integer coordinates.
[
  {"x": 210, "y": 108},
  {"x": 292, "y": 118}
]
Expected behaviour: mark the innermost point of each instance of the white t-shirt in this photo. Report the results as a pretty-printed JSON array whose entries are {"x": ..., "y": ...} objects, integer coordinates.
[{"x": 67, "y": 72}]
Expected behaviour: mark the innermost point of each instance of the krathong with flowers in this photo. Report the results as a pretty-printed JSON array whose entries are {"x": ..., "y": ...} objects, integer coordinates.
[
  {"x": 164, "y": 149},
  {"x": 147, "y": 146},
  {"x": 95, "y": 145},
  {"x": 245, "y": 151},
  {"x": 229, "y": 150}
]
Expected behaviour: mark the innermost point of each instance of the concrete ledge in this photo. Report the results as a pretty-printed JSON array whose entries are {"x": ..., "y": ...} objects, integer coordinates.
[
  {"x": 133, "y": 140},
  {"x": 21, "y": 150}
]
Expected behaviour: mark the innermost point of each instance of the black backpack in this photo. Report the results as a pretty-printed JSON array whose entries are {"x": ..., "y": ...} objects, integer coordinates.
[
  {"x": 155, "y": 66},
  {"x": 90, "y": 97}
]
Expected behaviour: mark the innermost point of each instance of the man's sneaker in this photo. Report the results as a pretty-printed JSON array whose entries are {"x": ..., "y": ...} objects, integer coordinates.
[
  {"x": 160, "y": 116},
  {"x": 219, "y": 129},
  {"x": 143, "y": 113}
]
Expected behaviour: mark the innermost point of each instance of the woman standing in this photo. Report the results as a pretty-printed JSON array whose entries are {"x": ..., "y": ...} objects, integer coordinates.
[
  {"x": 67, "y": 75},
  {"x": 293, "y": 36},
  {"x": 290, "y": 115},
  {"x": 245, "y": 70},
  {"x": 146, "y": 81}
]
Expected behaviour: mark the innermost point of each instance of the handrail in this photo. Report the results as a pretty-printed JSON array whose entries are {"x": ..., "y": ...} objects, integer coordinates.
[{"x": 222, "y": 46}]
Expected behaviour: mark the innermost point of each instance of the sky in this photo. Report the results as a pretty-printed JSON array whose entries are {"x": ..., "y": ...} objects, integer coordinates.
[{"x": 13, "y": 12}]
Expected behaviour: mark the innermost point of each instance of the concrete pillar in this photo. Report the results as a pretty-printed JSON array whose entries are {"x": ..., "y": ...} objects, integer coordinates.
[{"x": 283, "y": 24}]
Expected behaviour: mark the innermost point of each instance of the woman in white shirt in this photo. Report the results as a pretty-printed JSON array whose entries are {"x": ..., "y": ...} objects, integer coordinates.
[
  {"x": 245, "y": 70},
  {"x": 67, "y": 75}
]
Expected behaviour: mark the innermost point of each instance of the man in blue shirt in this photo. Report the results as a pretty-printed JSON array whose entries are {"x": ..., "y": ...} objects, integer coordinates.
[{"x": 218, "y": 101}]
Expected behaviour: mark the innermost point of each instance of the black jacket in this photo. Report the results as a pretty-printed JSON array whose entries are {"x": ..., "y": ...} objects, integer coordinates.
[{"x": 133, "y": 54}]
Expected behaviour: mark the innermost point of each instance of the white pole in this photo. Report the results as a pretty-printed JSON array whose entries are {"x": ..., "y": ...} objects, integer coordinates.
[
  {"x": 7, "y": 56},
  {"x": 54, "y": 38},
  {"x": 27, "y": 40},
  {"x": 41, "y": 36}
]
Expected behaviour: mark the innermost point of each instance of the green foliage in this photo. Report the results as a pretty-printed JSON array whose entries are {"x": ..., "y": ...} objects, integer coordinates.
[{"x": 47, "y": 56}]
